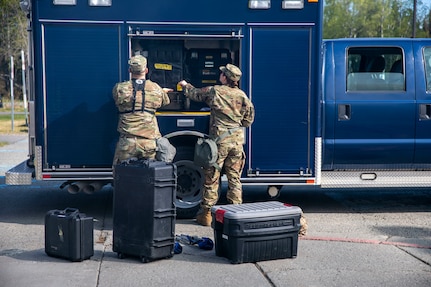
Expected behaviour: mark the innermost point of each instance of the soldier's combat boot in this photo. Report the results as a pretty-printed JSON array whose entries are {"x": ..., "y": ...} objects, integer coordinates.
[{"x": 204, "y": 216}]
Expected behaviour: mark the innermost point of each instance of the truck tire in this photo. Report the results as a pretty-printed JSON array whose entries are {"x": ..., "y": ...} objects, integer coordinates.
[{"x": 189, "y": 183}]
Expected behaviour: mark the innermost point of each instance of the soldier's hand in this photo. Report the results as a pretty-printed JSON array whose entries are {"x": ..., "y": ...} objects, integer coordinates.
[
  {"x": 167, "y": 90},
  {"x": 182, "y": 83}
]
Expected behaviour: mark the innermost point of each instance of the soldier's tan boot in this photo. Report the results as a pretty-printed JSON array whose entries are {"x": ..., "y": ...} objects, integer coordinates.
[{"x": 204, "y": 216}]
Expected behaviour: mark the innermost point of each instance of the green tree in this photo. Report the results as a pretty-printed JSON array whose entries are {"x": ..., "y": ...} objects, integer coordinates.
[
  {"x": 13, "y": 39},
  {"x": 382, "y": 18}
]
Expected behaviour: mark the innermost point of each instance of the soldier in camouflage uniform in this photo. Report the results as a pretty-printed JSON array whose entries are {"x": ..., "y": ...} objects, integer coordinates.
[
  {"x": 137, "y": 123},
  {"x": 230, "y": 108}
]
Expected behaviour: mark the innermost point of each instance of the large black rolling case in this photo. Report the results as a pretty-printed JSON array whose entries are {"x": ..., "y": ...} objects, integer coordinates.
[
  {"x": 144, "y": 210},
  {"x": 69, "y": 234}
]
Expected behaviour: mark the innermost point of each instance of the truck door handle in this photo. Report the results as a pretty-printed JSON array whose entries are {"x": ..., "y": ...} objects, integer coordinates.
[
  {"x": 344, "y": 112},
  {"x": 424, "y": 112}
]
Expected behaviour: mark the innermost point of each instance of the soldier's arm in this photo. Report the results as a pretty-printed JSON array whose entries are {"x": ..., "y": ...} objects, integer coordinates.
[
  {"x": 248, "y": 114},
  {"x": 165, "y": 98},
  {"x": 195, "y": 94},
  {"x": 115, "y": 94},
  {"x": 199, "y": 95}
]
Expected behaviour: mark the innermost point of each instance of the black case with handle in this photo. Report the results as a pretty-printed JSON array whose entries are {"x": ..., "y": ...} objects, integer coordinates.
[{"x": 69, "y": 234}]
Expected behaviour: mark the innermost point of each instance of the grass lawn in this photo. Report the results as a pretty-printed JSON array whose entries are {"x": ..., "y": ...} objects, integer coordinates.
[{"x": 19, "y": 122}]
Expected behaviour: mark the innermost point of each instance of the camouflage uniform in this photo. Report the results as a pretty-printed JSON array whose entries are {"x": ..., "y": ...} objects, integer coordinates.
[
  {"x": 137, "y": 125},
  {"x": 230, "y": 108}
]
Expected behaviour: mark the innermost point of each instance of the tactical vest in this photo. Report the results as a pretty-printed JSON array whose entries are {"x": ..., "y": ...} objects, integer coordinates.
[{"x": 138, "y": 105}]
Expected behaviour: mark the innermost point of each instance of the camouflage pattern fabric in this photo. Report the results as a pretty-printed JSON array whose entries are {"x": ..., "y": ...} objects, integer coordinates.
[
  {"x": 133, "y": 147},
  {"x": 232, "y": 72},
  {"x": 230, "y": 108},
  {"x": 139, "y": 127},
  {"x": 137, "y": 64},
  {"x": 231, "y": 158}
]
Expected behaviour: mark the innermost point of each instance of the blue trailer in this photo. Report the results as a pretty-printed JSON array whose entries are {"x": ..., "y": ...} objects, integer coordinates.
[{"x": 319, "y": 119}]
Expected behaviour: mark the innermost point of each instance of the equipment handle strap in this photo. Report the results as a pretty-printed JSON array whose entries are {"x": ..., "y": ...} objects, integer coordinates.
[
  {"x": 225, "y": 134},
  {"x": 138, "y": 85}
]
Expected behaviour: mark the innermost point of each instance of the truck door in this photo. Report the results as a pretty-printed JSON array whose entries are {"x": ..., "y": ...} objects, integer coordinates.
[
  {"x": 423, "y": 96},
  {"x": 374, "y": 115},
  {"x": 280, "y": 90}
]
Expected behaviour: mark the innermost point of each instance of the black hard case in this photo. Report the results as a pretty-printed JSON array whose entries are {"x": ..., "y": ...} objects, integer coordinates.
[
  {"x": 259, "y": 231},
  {"x": 69, "y": 234},
  {"x": 144, "y": 211}
]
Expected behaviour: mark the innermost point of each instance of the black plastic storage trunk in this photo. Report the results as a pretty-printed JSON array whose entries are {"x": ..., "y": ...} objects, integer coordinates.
[
  {"x": 69, "y": 234},
  {"x": 252, "y": 232},
  {"x": 144, "y": 210}
]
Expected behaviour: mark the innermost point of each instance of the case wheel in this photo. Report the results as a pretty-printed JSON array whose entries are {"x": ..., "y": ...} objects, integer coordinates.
[{"x": 120, "y": 255}]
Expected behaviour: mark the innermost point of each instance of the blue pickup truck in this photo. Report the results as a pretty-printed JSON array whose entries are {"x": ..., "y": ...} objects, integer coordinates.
[
  {"x": 335, "y": 113},
  {"x": 376, "y": 111}
]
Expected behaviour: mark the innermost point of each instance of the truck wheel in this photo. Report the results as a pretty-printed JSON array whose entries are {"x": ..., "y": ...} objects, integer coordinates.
[{"x": 189, "y": 183}]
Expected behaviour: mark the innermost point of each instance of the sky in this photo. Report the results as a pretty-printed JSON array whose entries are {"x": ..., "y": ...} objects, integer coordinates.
[{"x": 426, "y": 2}]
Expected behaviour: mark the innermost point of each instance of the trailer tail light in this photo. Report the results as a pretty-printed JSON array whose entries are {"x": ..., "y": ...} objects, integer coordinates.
[
  {"x": 100, "y": 2},
  {"x": 64, "y": 2},
  {"x": 259, "y": 4},
  {"x": 293, "y": 4}
]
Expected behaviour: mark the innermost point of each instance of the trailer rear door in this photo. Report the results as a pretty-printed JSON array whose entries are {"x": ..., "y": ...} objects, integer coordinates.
[
  {"x": 81, "y": 64},
  {"x": 280, "y": 90}
]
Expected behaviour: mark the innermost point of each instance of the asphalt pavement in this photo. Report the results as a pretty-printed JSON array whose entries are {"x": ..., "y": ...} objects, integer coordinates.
[
  {"x": 14, "y": 152},
  {"x": 354, "y": 239}
]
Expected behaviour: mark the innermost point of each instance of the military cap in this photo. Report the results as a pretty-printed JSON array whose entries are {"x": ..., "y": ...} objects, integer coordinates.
[
  {"x": 231, "y": 71},
  {"x": 137, "y": 64}
]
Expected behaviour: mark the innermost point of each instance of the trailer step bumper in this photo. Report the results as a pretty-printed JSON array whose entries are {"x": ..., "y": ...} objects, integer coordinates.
[{"x": 19, "y": 175}]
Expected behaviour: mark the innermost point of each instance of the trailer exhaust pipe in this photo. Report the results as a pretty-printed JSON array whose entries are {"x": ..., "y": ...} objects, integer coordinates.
[
  {"x": 76, "y": 187},
  {"x": 93, "y": 187}
]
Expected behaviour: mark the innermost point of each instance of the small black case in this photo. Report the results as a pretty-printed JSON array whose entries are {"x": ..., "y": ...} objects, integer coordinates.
[{"x": 69, "y": 234}]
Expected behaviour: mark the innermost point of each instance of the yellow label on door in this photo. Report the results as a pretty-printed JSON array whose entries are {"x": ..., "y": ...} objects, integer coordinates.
[{"x": 165, "y": 67}]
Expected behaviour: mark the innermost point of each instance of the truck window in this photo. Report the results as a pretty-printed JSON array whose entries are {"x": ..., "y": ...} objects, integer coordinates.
[
  {"x": 375, "y": 69},
  {"x": 427, "y": 62}
]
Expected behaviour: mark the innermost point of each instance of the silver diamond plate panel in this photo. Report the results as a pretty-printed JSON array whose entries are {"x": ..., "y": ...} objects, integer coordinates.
[
  {"x": 19, "y": 175},
  {"x": 368, "y": 178},
  {"x": 38, "y": 163}
]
